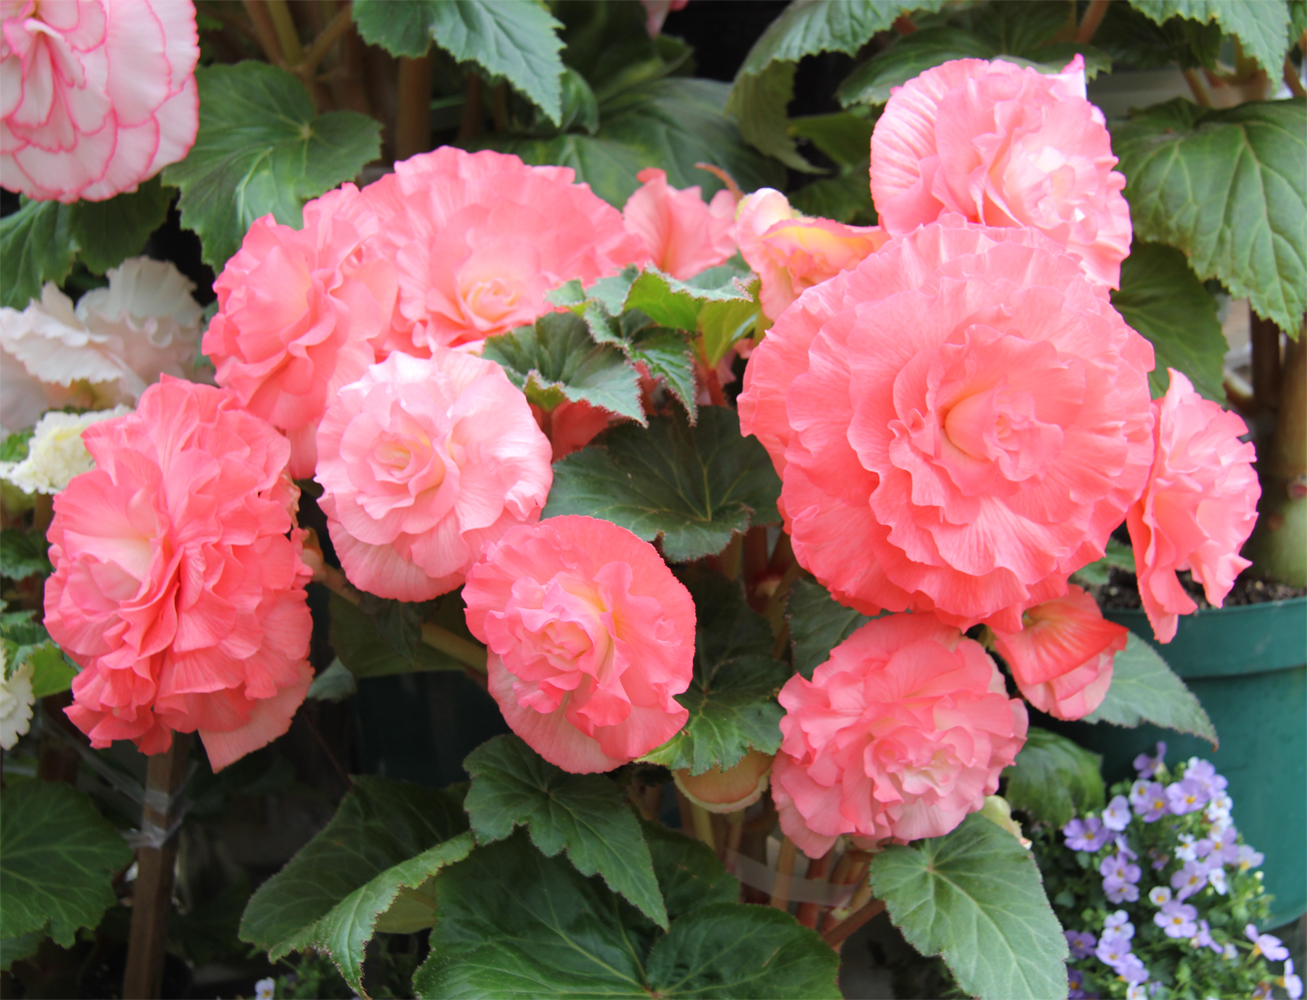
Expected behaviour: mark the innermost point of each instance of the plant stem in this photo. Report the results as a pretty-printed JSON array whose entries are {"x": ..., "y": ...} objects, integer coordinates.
[
  {"x": 841, "y": 931},
  {"x": 470, "y": 126},
  {"x": 331, "y": 34},
  {"x": 284, "y": 25},
  {"x": 1199, "y": 89},
  {"x": 780, "y": 894},
  {"x": 1292, "y": 80},
  {"x": 264, "y": 31},
  {"x": 413, "y": 119},
  {"x": 703, "y": 825},
  {"x": 1092, "y": 19},
  {"x": 1265, "y": 337},
  {"x": 734, "y": 831},
  {"x": 807, "y": 913},
  {"x": 499, "y": 106}
]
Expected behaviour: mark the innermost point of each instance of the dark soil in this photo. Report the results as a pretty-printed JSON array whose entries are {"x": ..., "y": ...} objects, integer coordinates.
[{"x": 1122, "y": 591}]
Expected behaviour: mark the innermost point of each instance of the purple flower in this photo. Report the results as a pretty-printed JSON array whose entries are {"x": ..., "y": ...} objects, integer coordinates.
[
  {"x": 1203, "y": 938},
  {"x": 1291, "y": 983},
  {"x": 1119, "y": 921},
  {"x": 1262, "y": 991},
  {"x": 1248, "y": 858},
  {"x": 1185, "y": 796},
  {"x": 1132, "y": 969},
  {"x": 1151, "y": 804},
  {"x": 1225, "y": 846},
  {"x": 1159, "y": 895},
  {"x": 1082, "y": 943},
  {"x": 1160, "y": 860},
  {"x": 1136, "y": 991},
  {"x": 1189, "y": 879},
  {"x": 1117, "y": 814},
  {"x": 1205, "y": 774},
  {"x": 1177, "y": 920},
  {"x": 1088, "y": 834},
  {"x": 1266, "y": 944},
  {"x": 1123, "y": 847},
  {"x": 1119, "y": 890},
  {"x": 1113, "y": 949},
  {"x": 1147, "y": 766}
]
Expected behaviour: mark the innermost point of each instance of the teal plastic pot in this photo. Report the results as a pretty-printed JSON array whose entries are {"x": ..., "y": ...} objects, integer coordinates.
[{"x": 1248, "y": 667}]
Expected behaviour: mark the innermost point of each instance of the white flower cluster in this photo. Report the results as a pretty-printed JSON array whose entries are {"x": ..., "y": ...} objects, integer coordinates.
[
  {"x": 15, "y": 702},
  {"x": 105, "y": 351},
  {"x": 55, "y": 453}
]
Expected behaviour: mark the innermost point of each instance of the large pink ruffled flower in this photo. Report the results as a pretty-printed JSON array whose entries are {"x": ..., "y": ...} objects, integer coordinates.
[
  {"x": 959, "y": 423},
  {"x": 1003, "y": 145},
  {"x": 479, "y": 238},
  {"x": 1199, "y": 508},
  {"x": 899, "y": 735},
  {"x": 178, "y": 583},
  {"x": 298, "y": 312},
  {"x": 591, "y": 638},
  {"x": 425, "y": 462},
  {"x": 1062, "y": 658},
  {"x": 97, "y": 96},
  {"x": 682, "y": 236},
  {"x": 792, "y": 252}
]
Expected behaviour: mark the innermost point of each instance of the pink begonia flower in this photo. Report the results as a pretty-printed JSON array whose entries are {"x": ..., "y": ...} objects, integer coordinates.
[
  {"x": 792, "y": 252},
  {"x": 1003, "y": 145},
  {"x": 425, "y": 462},
  {"x": 1062, "y": 658},
  {"x": 98, "y": 96},
  {"x": 479, "y": 238},
  {"x": 1199, "y": 506},
  {"x": 298, "y": 314},
  {"x": 570, "y": 426},
  {"x": 959, "y": 423},
  {"x": 682, "y": 236},
  {"x": 899, "y": 735},
  {"x": 178, "y": 584},
  {"x": 656, "y": 12},
  {"x": 117, "y": 340},
  {"x": 591, "y": 637}
]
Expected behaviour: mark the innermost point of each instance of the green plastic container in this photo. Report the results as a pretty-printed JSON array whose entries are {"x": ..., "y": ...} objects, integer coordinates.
[{"x": 1248, "y": 667}]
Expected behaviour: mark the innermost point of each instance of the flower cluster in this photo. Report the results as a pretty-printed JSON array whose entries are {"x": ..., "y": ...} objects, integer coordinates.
[{"x": 1160, "y": 885}]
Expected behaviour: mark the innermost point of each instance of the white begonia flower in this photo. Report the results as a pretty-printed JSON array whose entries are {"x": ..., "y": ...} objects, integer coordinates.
[
  {"x": 55, "y": 453},
  {"x": 116, "y": 341},
  {"x": 15, "y": 702}
]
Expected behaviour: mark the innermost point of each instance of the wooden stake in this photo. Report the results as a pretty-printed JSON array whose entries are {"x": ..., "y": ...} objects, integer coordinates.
[{"x": 152, "y": 900}]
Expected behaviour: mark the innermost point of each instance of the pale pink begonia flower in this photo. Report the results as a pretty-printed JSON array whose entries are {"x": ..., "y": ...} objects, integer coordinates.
[
  {"x": 1199, "y": 507},
  {"x": 1003, "y": 145},
  {"x": 424, "y": 462},
  {"x": 591, "y": 637},
  {"x": 656, "y": 12},
  {"x": 95, "y": 96},
  {"x": 115, "y": 342},
  {"x": 898, "y": 736},
  {"x": 478, "y": 239},
  {"x": 959, "y": 423},
  {"x": 1062, "y": 657},
  {"x": 681, "y": 234},
  {"x": 178, "y": 584},
  {"x": 300, "y": 314},
  {"x": 792, "y": 252}
]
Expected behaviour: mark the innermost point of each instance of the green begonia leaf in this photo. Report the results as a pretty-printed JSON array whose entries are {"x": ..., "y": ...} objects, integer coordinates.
[
  {"x": 514, "y": 923},
  {"x": 1162, "y": 299},
  {"x": 336, "y": 683},
  {"x": 1262, "y": 28},
  {"x": 17, "y": 948},
  {"x": 1228, "y": 188},
  {"x": 679, "y": 304},
  {"x": 57, "y": 856},
  {"x": 689, "y": 872},
  {"x": 262, "y": 149},
  {"x": 732, "y": 699},
  {"x": 1118, "y": 555},
  {"x": 513, "y": 39},
  {"x": 363, "y": 649},
  {"x": 818, "y": 623},
  {"x": 1053, "y": 779},
  {"x": 672, "y": 123},
  {"x": 108, "y": 232},
  {"x": 26, "y": 641},
  {"x": 758, "y": 102},
  {"x": 556, "y": 360},
  {"x": 23, "y": 554},
  {"x": 584, "y": 814},
  {"x": 693, "y": 487},
  {"x": 37, "y": 244},
  {"x": 1145, "y": 689},
  {"x": 846, "y": 198},
  {"x": 976, "y": 897},
  {"x": 385, "y": 841}
]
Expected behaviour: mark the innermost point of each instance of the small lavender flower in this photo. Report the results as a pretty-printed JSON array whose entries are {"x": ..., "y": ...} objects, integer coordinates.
[
  {"x": 1132, "y": 969},
  {"x": 1082, "y": 943},
  {"x": 1160, "y": 860},
  {"x": 1122, "y": 845},
  {"x": 1119, "y": 878},
  {"x": 1112, "y": 950},
  {"x": 1261, "y": 992},
  {"x": 1225, "y": 846},
  {"x": 1203, "y": 772},
  {"x": 1136, "y": 991},
  {"x": 1152, "y": 803},
  {"x": 1189, "y": 879},
  {"x": 1266, "y": 944},
  {"x": 1216, "y": 879},
  {"x": 1203, "y": 938},
  {"x": 1088, "y": 834},
  {"x": 1185, "y": 796},
  {"x": 1178, "y": 920},
  {"x": 1248, "y": 858},
  {"x": 1119, "y": 921},
  {"x": 1147, "y": 766},
  {"x": 1117, "y": 814},
  {"x": 1291, "y": 983},
  {"x": 1159, "y": 895},
  {"x": 1075, "y": 979},
  {"x": 1186, "y": 851},
  {"x": 1119, "y": 890}
]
